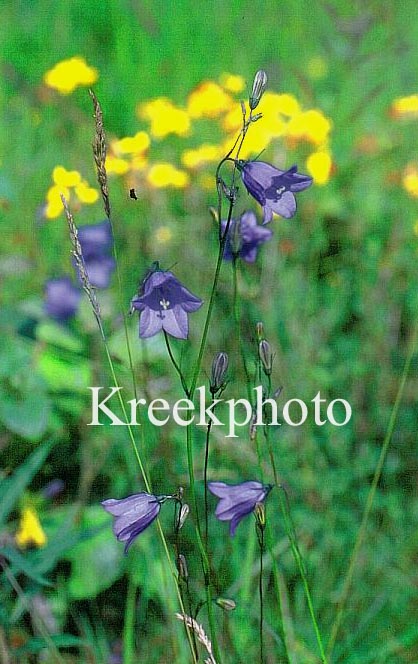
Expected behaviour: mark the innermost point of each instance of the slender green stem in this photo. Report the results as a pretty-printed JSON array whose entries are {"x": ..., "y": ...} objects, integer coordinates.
[
  {"x": 260, "y": 592},
  {"x": 129, "y": 623},
  {"x": 205, "y": 479},
  {"x": 370, "y": 498},
  {"x": 175, "y": 364},
  {"x": 237, "y": 318}
]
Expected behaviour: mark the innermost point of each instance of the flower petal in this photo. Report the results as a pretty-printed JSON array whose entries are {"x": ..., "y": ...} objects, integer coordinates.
[
  {"x": 150, "y": 323},
  {"x": 175, "y": 322}
]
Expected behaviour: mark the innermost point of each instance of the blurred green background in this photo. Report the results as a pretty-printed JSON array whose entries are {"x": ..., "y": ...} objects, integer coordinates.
[{"x": 336, "y": 290}]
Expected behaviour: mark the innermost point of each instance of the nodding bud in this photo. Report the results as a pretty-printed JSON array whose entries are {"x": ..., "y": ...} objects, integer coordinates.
[
  {"x": 260, "y": 515},
  {"x": 182, "y": 567},
  {"x": 253, "y": 427},
  {"x": 219, "y": 369},
  {"x": 259, "y": 86},
  {"x": 184, "y": 513},
  {"x": 259, "y": 330},
  {"x": 226, "y": 604},
  {"x": 266, "y": 356}
]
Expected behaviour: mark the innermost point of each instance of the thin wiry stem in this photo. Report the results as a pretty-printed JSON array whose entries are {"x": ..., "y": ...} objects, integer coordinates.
[
  {"x": 260, "y": 592},
  {"x": 175, "y": 364},
  {"x": 370, "y": 498}
]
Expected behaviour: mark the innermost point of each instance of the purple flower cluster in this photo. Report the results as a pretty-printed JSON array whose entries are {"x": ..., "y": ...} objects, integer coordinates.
[
  {"x": 135, "y": 513},
  {"x": 62, "y": 296}
]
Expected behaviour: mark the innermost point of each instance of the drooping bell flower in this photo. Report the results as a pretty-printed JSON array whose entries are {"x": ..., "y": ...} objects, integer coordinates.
[
  {"x": 62, "y": 299},
  {"x": 244, "y": 237},
  {"x": 272, "y": 188},
  {"x": 133, "y": 515},
  {"x": 163, "y": 305},
  {"x": 96, "y": 243},
  {"x": 237, "y": 500}
]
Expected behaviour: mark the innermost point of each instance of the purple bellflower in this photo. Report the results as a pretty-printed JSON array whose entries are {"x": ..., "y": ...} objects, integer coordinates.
[
  {"x": 247, "y": 236},
  {"x": 96, "y": 242},
  {"x": 272, "y": 188},
  {"x": 237, "y": 500},
  {"x": 61, "y": 298},
  {"x": 133, "y": 515},
  {"x": 163, "y": 304}
]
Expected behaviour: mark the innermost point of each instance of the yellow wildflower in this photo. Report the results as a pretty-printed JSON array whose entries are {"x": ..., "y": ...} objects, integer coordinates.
[
  {"x": 116, "y": 165},
  {"x": 204, "y": 154},
  {"x": 166, "y": 175},
  {"x": 30, "y": 530},
  {"x": 271, "y": 104},
  {"x": 163, "y": 234},
  {"x": 54, "y": 205},
  {"x": 65, "y": 178},
  {"x": 311, "y": 126},
  {"x": 165, "y": 118},
  {"x": 132, "y": 144},
  {"x": 232, "y": 83},
  {"x": 67, "y": 75},
  {"x": 410, "y": 180},
  {"x": 317, "y": 67},
  {"x": 319, "y": 166},
  {"x": 208, "y": 100},
  {"x": 405, "y": 106},
  {"x": 86, "y": 194}
]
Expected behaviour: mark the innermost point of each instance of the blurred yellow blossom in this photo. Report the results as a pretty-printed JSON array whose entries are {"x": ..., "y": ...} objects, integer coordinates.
[
  {"x": 317, "y": 67},
  {"x": 138, "y": 162},
  {"x": 65, "y": 178},
  {"x": 67, "y": 75},
  {"x": 410, "y": 180},
  {"x": 271, "y": 104},
  {"x": 319, "y": 166},
  {"x": 30, "y": 531},
  {"x": 54, "y": 205},
  {"x": 116, "y": 165},
  {"x": 163, "y": 234},
  {"x": 404, "y": 106},
  {"x": 232, "y": 83},
  {"x": 132, "y": 144},
  {"x": 165, "y": 118},
  {"x": 416, "y": 228},
  {"x": 166, "y": 175},
  {"x": 86, "y": 194},
  {"x": 311, "y": 126},
  {"x": 208, "y": 100},
  {"x": 204, "y": 154}
]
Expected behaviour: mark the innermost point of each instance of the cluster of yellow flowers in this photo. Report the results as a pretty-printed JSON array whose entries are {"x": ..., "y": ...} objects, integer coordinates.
[
  {"x": 211, "y": 101},
  {"x": 64, "y": 182},
  {"x": 282, "y": 117},
  {"x": 68, "y": 75}
]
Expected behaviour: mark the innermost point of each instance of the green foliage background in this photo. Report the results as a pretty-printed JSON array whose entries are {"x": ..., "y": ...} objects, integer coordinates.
[{"x": 339, "y": 307}]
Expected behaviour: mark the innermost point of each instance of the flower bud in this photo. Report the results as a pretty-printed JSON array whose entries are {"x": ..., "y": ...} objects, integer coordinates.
[
  {"x": 259, "y": 330},
  {"x": 184, "y": 513},
  {"x": 259, "y": 86},
  {"x": 182, "y": 567},
  {"x": 226, "y": 604},
  {"x": 260, "y": 515},
  {"x": 266, "y": 356},
  {"x": 219, "y": 369}
]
